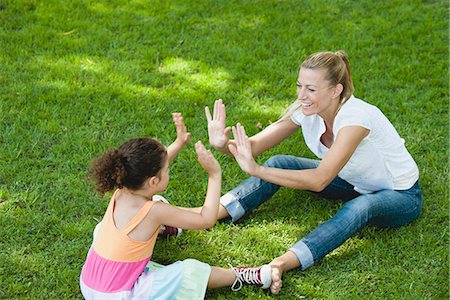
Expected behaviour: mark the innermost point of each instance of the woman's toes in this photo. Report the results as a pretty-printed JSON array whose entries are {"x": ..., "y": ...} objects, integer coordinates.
[{"x": 276, "y": 281}]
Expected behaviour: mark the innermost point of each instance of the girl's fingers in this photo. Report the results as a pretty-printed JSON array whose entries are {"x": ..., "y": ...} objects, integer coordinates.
[
  {"x": 199, "y": 146},
  {"x": 201, "y": 150},
  {"x": 177, "y": 118}
]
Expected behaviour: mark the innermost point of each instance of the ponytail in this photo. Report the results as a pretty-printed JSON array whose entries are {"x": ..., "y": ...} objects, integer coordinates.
[
  {"x": 129, "y": 165},
  {"x": 346, "y": 79},
  {"x": 108, "y": 171}
]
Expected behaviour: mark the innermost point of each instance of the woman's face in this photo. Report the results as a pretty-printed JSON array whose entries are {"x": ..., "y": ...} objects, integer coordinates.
[{"x": 314, "y": 92}]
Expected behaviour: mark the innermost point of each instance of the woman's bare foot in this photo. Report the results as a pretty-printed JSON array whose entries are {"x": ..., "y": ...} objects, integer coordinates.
[
  {"x": 276, "y": 285},
  {"x": 283, "y": 263}
]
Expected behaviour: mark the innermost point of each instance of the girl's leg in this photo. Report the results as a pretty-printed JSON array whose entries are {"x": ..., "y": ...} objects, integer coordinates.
[
  {"x": 254, "y": 191},
  {"x": 238, "y": 276},
  {"x": 221, "y": 277}
]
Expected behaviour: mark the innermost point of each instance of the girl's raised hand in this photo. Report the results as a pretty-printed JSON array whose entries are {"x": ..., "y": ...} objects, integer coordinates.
[
  {"x": 183, "y": 137},
  {"x": 217, "y": 132},
  {"x": 242, "y": 151},
  {"x": 206, "y": 159}
]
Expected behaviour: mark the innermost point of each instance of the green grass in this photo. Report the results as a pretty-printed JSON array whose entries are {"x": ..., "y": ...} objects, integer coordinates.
[{"x": 78, "y": 77}]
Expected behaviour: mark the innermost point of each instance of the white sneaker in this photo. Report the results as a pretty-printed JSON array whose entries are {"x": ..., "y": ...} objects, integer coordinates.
[{"x": 259, "y": 276}]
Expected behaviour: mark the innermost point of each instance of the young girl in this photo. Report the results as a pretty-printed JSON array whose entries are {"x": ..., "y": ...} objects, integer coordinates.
[{"x": 118, "y": 264}]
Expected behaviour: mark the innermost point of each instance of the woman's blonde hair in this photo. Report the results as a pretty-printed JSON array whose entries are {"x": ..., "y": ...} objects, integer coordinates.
[{"x": 338, "y": 72}]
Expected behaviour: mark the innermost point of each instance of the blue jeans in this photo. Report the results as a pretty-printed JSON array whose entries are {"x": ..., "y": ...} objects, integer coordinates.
[{"x": 385, "y": 208}]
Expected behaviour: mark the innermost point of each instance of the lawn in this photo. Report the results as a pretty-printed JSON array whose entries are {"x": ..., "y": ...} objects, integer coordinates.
[{"x": 78, "y": 77}]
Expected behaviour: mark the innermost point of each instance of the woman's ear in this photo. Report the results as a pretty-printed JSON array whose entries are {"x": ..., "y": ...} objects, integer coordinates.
[{"x": 338, "y": 89}]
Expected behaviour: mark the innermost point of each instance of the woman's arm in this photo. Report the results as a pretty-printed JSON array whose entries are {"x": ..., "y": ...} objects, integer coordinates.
[
  {"x": 206, "y": 217},
  {"x": 272, "y": 135},
  {"x": 183, "y": 137},
  {"x": 315, "y": 180},
  {"x": 260, "y": 142}
]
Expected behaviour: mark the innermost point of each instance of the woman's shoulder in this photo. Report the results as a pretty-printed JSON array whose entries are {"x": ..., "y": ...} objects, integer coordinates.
[
  {"x": 354, "y": 103},
  {"x": 356, "y": 107},
  {"x": 358, "y": 112},
  {"x": 355, "y": 112}
]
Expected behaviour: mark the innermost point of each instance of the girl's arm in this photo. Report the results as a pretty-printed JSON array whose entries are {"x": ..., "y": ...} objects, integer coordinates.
[
  {"x": 183, "y": 137},
  {"x": 206, "y": 217},
  {"x": 347, "y": 139},
  {"x": 260, "y": 142}
]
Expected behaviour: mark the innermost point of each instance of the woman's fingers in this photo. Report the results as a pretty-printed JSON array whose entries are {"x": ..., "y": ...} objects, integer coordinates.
[
  {"x": 219, "y": 113},
  {"x": 216, "y": 108},
  {"x": 208, "y": 114},
  {"x": 239, "y": 134},
  {"x": 235, "y": 134},
  {"x": 221, "y": 116},
  {"x": 223, "y": 111},
  {"x": 226, "y": 131},
  {"x": 244, "y": 136},
  {"x": 232, "y": 149}
]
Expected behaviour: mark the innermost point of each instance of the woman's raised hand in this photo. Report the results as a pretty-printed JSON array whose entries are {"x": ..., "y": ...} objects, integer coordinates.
[
  {"x": 219, "y": 135},
  {"x": 242, "y": 150},
  {"x": 206, "y": 159}
]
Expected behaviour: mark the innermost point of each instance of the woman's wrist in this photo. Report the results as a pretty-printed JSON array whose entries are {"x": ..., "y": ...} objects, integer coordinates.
[
  {"x": 224, "y": 149},
  {"x": 258, "y": 170}
]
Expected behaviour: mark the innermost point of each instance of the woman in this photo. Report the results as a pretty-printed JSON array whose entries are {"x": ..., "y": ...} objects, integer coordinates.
[{"x": 363, "y": 160}]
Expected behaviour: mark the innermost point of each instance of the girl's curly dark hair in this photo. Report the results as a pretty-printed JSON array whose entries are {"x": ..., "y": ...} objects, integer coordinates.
[{"x": 129, "y": 165}]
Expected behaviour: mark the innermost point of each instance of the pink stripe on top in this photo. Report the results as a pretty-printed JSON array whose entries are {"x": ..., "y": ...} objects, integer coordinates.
[
  {"x": 115, "y": 261},
  {"x": 109, "y": 276}
]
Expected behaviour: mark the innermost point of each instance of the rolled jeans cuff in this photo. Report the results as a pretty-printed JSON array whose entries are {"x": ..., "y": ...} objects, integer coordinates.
[
  {"x": 233, "y": 206},
  {"x": 303, "y": 254}
]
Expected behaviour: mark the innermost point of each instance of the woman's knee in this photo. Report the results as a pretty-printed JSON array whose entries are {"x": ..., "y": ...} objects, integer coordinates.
[
  {"x": 275, "y": 161},
  {"x": 281, "y": 161},
  {"x": 357, "y": 210}
]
